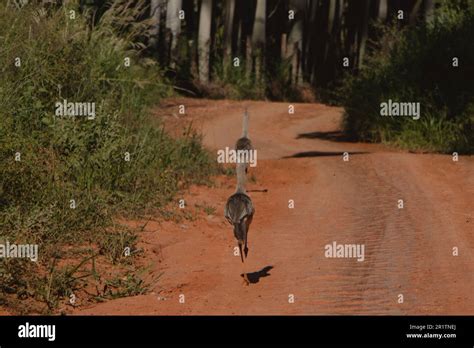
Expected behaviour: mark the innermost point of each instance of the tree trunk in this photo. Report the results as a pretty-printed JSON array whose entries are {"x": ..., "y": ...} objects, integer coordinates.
[
  {"x": 283, "y": 45},
  {"x": 310, "y": 29},
  {"x": 173, "y": 24},
  {"x": 258, "y": 33},
  {"x": 382, "y": 10},
  {"x": 258, "y": 36},
  {"x": 228, "y": 31},
  {"x": 156, "y": 7},
  {"x": 204, "y": 40},
  {"x": 331, "y": 15},
  {"x": 295, "y": 40},
  {"x": 248, "y": 57},
  {"x": 329, "y": 30},
  {"x": 364, "y": 27}
]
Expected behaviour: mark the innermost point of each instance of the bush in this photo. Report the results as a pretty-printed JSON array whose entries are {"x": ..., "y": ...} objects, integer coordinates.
[
  {"x": 65, "y": 158},
  {"x": 415, "y": 65}
]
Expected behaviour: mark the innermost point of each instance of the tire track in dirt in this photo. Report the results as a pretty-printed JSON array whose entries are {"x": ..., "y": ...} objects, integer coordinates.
[{"x": 407, "y": 251}]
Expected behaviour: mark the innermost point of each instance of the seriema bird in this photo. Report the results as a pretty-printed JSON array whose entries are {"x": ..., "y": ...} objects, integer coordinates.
[{"x": 239, "y": 212}]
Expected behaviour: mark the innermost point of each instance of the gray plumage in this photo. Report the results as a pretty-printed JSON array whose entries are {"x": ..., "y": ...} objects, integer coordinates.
[
  {"x": 239, "y": 209},
  {"x": 244, "y": 143},
  {"x": 239, "y": 212}
]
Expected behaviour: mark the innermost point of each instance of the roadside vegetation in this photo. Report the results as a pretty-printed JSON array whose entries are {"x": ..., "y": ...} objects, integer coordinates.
[
  {"x": 65, "y": 181},
  {"x": 431, "y": 63}
]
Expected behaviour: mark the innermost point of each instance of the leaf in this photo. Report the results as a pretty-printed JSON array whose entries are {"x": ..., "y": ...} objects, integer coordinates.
[{"x": 46, "y": 120}]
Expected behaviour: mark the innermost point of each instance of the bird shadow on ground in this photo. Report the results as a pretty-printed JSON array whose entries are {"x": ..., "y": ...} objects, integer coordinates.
[
  {"x": 322, "y": 154},
  {"x": 255, "y": 276}
]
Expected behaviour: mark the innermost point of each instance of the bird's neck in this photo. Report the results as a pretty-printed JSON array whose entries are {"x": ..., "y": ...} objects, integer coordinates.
[
  {"x": 245, "y": 126},
  {"x": 240, "y": 170}
]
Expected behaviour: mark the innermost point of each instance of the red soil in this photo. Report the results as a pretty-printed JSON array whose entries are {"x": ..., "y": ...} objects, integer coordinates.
[{"x": 407, "y": 251}]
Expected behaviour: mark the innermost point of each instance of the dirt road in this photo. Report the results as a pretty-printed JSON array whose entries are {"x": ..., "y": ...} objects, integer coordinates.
[{"x": 408, "y": 251}]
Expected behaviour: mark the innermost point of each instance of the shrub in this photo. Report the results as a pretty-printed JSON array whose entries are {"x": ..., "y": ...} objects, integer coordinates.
[
  {"x": 64, "y": 158},
  {"x": 415, "y": 65}
]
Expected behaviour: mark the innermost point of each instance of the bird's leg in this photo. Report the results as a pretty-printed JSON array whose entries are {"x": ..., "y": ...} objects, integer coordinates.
[
  {"x": 240, "y": 252},
  {"x": 246, "y": 249},
  {"x": 246, "y": 279},
  {"x": 247, "y": 226},
  {"x": 244, "y": 273}
]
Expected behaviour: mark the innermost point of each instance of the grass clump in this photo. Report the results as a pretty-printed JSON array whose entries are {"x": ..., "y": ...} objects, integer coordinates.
[
  {"x": 63, "y": 179},
  {"x": 416, "y": 65},
  {"x": 242, "y": 83}
]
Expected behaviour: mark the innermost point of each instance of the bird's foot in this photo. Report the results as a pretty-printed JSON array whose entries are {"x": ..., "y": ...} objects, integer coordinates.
[{"x": 246, "y": 281}]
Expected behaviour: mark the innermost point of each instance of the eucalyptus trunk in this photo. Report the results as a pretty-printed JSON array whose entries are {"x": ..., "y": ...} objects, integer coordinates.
[
  {"x": 258, "y": 36},
  {"x": 382, "y": 10},
  {"x": 173, "y": 25},
  {"x": 156, "y": 7},
  {"x": 295, "y": 41},
  {"x": 228, "y": 31},
  {"x": 363, "y": 33},
  {"x": 204, "y": 40}
]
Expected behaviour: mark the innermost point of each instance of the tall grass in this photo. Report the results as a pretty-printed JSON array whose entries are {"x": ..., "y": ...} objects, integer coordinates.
[
  {"x": 73, "y": 158},
  {"x": 275, "y": 83},
  {"x": 416, "y": 65}
]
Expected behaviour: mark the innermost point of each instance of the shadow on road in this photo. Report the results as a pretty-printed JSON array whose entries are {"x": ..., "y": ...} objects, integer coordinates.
[
  {"x": 322, "y": 154},
  {"x": 332, "y": 136},
  {"x": 255, "y": 276}
]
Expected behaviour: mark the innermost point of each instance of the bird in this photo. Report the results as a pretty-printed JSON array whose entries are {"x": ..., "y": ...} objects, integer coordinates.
[
  {"x": 239, "y": 211},
  {"x": 244, "y": 143}
]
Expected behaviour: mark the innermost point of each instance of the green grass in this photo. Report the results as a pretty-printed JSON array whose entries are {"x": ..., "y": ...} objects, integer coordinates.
[
  {"x": 206, "y": 208},
  {"x": 65, "y": 158},
  {"x": 237, "y": 83},
  {"x": 415, "y": 65}
]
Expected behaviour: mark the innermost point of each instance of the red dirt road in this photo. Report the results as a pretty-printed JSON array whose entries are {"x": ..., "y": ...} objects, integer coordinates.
[{"x": 407, "y": 251}]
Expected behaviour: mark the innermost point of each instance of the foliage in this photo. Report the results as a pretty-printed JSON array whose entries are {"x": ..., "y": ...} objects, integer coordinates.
[
  {"x": 416, "y": 65},
  {"x": 65, "y": 158}
]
